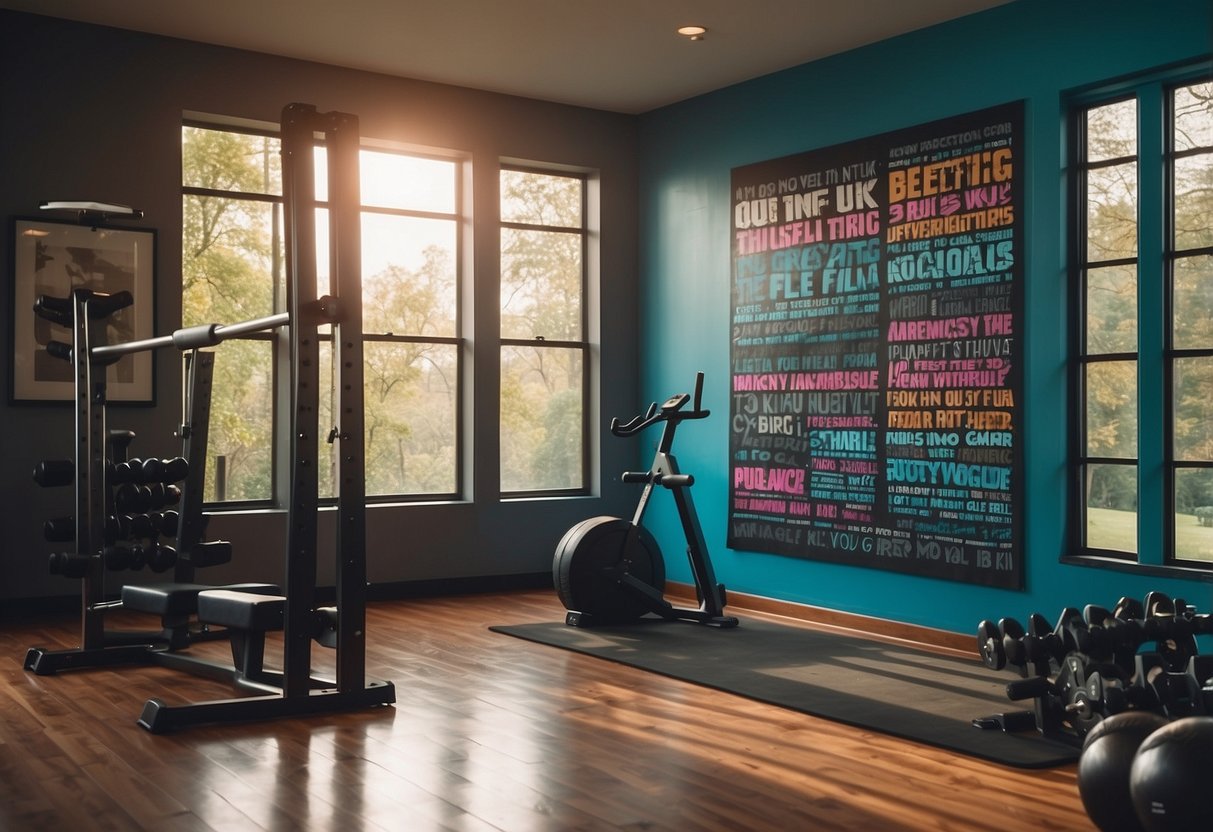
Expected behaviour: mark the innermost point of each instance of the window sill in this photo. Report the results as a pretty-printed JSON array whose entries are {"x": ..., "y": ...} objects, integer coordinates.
[{"x": 1191, "y": 573}]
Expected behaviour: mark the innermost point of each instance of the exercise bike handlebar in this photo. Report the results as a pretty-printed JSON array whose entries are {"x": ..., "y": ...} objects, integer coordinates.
[
  {"x": 665, "y": 480},
  {"x": 668, "y": 411}
]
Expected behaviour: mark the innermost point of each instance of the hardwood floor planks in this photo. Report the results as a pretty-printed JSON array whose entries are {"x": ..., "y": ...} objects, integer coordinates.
[{"x": 489, "y": 733}]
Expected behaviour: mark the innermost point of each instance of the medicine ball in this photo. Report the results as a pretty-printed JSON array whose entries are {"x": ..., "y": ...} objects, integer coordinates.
[
  {"x": 1103, "y": 768},
  {"x": 1172, "y": 776}
]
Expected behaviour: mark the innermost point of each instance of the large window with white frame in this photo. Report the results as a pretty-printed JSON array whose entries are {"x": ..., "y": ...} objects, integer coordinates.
[
  {"x": 544, "y": 348},
  {"x": 232, "y": 270},
  {"x": 1142, "y": 217}
]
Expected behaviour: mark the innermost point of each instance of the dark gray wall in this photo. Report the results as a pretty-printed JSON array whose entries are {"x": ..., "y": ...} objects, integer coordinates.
[{"x": 95, "y": 113}]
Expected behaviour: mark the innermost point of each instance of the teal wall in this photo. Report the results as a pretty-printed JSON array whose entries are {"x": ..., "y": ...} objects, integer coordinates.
[{"x": 1035, "y": 50}]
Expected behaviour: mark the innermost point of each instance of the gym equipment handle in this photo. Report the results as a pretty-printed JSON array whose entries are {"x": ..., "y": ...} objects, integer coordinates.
[
  {"x": 100, "y": 305},
  {"x": 666, "y": 480},
  {"x": 1028, "y": 688},
  {"x": 670, "y": 410}
]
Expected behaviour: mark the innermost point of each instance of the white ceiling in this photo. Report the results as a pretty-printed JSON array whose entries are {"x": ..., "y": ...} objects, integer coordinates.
[{"x": 620, "y": 55}]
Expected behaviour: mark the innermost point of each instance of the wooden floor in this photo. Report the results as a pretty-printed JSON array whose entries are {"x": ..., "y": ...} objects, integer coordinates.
[{"x": 489, "y": 733}]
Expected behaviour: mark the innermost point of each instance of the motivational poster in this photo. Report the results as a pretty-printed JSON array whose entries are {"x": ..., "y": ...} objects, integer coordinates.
[{"x": 876, "y": 362}]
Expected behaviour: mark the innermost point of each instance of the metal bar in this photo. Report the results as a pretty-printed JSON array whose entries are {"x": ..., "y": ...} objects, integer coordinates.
[
  {"x": 221, "y": 332},
  {"x": 104, "y": 351},
  {"x": 225, "y": 331},
  {"x": 299, "y": 195},
  {"x": 89, "y": 469},
  {"x": 195, "y": 437},
  {"x": 343, "y": 143}
]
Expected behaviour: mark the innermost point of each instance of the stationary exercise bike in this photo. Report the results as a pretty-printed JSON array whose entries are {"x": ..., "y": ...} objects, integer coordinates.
[{"x": 608, "y": 570}]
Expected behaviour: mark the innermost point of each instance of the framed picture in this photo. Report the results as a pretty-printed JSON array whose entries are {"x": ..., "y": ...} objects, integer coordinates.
[{"x": 53, "y": 258}]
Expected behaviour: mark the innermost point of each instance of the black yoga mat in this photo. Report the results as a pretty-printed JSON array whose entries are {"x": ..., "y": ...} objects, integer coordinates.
[{"x": 875, "y": 685}]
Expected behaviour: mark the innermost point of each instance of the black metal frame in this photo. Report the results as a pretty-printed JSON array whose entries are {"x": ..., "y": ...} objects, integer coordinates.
[
  {"x": 300, "y": 692},
  {"x": 295, "y": 691}
]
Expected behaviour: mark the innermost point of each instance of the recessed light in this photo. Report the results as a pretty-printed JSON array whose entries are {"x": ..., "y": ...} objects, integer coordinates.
[{"x": 693, "y": 32}]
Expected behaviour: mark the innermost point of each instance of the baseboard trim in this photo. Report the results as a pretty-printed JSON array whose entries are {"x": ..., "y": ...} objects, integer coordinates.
[{"x": 928, "y": 638}]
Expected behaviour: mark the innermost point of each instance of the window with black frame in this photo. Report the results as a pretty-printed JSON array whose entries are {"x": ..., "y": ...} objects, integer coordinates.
[
  {"x": 544, "y": 347},
  {"x": 1142, "y": 221},
  {"x": 232, "y": 270}
]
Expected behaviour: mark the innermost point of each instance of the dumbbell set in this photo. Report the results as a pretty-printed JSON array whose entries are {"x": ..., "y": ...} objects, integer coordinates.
[
  {"x": 138, "y": 501},
  {"x": 1138, "y": 656}
]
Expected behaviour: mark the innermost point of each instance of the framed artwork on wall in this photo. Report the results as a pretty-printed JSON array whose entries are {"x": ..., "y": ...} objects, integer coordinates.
[{"x": 54, "y": 258}]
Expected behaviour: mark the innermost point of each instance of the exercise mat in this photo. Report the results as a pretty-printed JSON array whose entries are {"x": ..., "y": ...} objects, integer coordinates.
[{"x": 870, "y": 684}]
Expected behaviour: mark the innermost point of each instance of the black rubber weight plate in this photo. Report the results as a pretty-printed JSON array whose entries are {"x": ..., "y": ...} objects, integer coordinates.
[{"x": 588, "y": 558}]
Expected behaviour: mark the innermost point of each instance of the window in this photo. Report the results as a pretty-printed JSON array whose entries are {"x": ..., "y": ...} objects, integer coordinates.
[
  {"x": 543, "y": 342},
  {"x": 1143, "y": 267},
  {"x": 232, "y": 270},
  {"x": 410, "y": 321}
]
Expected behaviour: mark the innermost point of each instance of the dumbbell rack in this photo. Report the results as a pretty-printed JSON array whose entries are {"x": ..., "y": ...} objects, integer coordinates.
[
  {"x": 1089, "y": 667},
  {"x": 91, "y": 473}
]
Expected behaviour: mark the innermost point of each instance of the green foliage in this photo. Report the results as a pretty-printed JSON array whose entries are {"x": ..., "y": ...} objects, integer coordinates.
[
  {"x": 231, "y": 260},
  {"x": 232, "y": 270}
]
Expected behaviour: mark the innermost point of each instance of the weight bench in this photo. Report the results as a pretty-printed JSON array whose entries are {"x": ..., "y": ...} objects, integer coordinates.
[
  {"x": 248, "y": 616},
  {"x": 177, "y": 603}
]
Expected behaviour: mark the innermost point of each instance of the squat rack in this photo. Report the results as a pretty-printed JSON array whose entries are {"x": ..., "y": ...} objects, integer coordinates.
[
  {"x": 296, "y": 691},
  {"x": 301, "y": 692}
]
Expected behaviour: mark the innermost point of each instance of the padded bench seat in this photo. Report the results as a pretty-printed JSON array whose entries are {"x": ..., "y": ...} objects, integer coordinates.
[
  {"x": 176, "y": 599},
  {"x": 241, "y": 610}
]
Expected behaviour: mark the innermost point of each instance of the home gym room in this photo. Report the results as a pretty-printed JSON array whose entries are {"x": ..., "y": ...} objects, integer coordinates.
[{"x": 922, "y": 289}]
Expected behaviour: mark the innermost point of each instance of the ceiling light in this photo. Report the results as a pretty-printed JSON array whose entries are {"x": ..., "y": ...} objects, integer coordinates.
[{"x": 693, "y": 32}]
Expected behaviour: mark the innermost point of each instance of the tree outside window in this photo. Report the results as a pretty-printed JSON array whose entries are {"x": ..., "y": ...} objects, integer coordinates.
[
  {"x": 543, "y": 347},
  {"x": 232, "y": 270},
  {"x": 1144, "y": 255}
]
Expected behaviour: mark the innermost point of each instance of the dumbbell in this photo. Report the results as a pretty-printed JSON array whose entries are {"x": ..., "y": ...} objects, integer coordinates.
[
  {"x": 59, "y": 529},
  {"x": 989, "y": 645},
  {"x": 169, "y": 519},
  {"x": 1012, "y": 644},
  {"x": 68, "y": 564},
  {"x": 1128, "y": 609},
  {"x": 140, "y": 526},
  {"x": 51, "y": 473},
  {"x": 150, "y": 470},
  {"x": 1070, "y": 630},
  {"x": 160, "y": 557},
  {"x": 121, "y": 472},
  {"x": 138, "y": 556},
  {"x": 116, "y": 557},
  {"x": 175, "y": 470},
  {"x": 1158, "y": 605},
  {"x": 1096, "y": 641},
  {"x": 1039, "y": 646},
  {"x": 133, "y": 499}
]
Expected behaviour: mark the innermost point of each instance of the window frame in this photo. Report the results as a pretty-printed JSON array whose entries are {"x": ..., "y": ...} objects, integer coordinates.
[
  {"x": 582, "y": 345},
  {"x": 457, "y": 341},
  {"x": 279, "y": 369},
  {"x": 277, "y": 288},
  {"x": 1156, "y": 461}
]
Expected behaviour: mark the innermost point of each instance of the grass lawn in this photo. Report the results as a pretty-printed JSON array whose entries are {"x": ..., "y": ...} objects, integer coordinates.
[{"x": 1117, "y": 530}]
